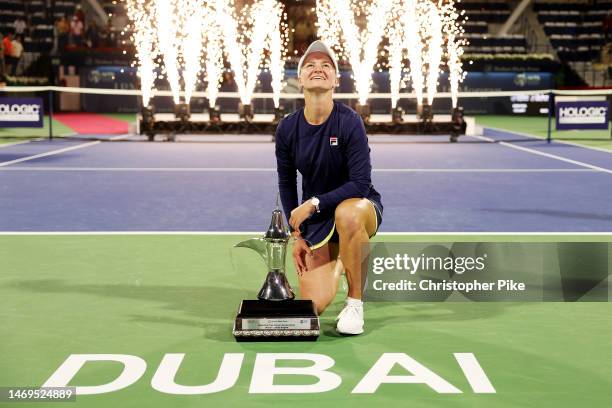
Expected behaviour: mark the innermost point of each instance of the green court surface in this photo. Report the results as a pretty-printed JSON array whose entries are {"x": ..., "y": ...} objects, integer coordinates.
[
  {"x": 148, "y": 295},
  {"x": 126, "y": 117},
  {"x": 538, "y": 127},
  {"x": 12, "y": 135}
]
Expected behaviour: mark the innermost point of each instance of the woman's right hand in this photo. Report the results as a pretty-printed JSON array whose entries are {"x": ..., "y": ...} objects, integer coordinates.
[{"x": 300, "y": 251}]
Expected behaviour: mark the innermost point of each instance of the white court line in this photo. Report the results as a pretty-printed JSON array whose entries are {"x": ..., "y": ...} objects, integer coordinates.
[
  {"x": 119, "y": 137},
  {"x": 51, "y": 153},
  {"x": 18, "y": 143},
  {"x": 552, "y": 156},
  {"x": 535, "y": 138},
  {"x": 256, "y": 169},
  {"x": 259, "y": 233},
  {"x": 145, "y": 169}
]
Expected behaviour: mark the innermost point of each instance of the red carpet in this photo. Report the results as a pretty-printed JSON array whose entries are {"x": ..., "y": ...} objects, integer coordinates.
[{"x": 92, "y": 123}]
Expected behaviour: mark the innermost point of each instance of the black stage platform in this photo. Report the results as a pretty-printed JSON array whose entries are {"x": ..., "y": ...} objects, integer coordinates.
[{"x": 169, "y": 125}]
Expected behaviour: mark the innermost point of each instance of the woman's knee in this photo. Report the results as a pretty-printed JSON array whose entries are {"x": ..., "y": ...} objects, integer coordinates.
[{"x": 348, "y": 217}]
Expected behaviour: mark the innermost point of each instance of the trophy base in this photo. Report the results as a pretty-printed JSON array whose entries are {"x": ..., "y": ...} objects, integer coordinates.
[{"x": 289, "y": 320}]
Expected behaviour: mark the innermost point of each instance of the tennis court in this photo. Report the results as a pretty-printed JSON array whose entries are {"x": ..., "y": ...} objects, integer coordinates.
[{"x": 126, "y": 248}]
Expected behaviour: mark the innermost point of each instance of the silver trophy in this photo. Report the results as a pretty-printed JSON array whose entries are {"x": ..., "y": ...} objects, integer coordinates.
[
  {"x": 275, "y": 316},
  {"x": 272, "y": 247}
]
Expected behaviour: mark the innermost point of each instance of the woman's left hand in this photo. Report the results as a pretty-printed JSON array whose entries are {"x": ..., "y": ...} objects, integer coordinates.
[{"x": 301, "y": 214}]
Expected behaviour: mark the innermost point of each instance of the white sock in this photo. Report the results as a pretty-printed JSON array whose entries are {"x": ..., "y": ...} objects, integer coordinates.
[{"x": 354, "y": 302}]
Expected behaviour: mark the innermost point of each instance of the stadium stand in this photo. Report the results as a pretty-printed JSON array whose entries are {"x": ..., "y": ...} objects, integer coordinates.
[
  {"x": 571, "y": 32},
  {"x": 576, "y": 31},
  {"x": 482, "y": 19}
]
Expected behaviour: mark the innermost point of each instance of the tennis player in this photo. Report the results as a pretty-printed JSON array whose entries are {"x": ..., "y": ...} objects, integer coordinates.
[{"x": 340, "y": 210}]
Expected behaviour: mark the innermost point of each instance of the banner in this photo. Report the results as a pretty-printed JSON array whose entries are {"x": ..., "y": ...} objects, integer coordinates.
[
  {"x": 488, "y": 271},
  {"x": 21, "y": 112},
  {"x": 582, "y": 115},
  {"x": 112, "y": 77}
]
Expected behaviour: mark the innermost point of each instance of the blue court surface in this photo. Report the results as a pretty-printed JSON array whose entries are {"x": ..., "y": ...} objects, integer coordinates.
[{"x": 499, "y": 182}]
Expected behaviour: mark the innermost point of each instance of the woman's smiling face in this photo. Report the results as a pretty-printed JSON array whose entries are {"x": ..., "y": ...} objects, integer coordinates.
[{"x": 318, "y": 73}]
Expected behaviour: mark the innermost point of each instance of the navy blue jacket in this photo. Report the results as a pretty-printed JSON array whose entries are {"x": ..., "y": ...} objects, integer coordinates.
[{"x": 333, "y": 159}]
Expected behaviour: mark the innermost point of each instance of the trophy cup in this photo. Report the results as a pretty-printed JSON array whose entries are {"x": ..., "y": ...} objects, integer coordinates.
[{"x": 275, "y": 315}]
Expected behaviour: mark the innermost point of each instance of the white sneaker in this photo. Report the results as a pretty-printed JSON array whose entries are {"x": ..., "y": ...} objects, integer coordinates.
[{"x": 350, "y": 319}]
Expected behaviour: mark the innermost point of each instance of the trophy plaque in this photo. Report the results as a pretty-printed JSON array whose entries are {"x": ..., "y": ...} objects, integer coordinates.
[{"x": 275, "y": 315}]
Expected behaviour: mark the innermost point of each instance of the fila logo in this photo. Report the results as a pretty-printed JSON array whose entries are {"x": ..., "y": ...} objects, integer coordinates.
[{"x": 333, "y": 141}]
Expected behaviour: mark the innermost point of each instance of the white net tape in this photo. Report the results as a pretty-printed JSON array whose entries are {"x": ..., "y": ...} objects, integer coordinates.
[{"x": 269, "y": 95}]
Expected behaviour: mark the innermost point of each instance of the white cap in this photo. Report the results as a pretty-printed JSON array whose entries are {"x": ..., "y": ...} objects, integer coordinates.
[{"x": 319, "y": 46}]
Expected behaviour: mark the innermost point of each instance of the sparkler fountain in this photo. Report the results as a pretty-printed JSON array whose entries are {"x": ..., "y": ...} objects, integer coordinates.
[
  {"x": 145, "y": 40},
  {"x": 432, "y": 35},
  {"x": 414, "y": 28},
  {"x": 421, "y": 29},
  {"x": 179, "y": 30},
  {"x": 396, "y": 50},
  {"x": 168, "y": 21},
  {"x": 337, "y": 27},
  {"x": 191, "y": 34},
  {"x": 244, "y": 48},
  {"x": 454, "y": 45},
  {"x": 212, "y": 37},
  {"x": 144, "y": 37},
  {"x": 192, "y": 44}
]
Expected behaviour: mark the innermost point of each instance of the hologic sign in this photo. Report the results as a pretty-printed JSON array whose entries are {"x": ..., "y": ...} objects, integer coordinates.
[
  {"x": 582, "y": 115},
  {"x": 21, "y": 112}
]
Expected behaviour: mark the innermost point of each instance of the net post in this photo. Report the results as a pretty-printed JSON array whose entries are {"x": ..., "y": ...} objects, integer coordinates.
[
  {"x": 50, "y": 94},
  {"x": 551, "y": 106}
]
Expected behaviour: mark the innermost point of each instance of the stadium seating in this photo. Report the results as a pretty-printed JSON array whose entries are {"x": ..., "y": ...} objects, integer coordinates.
[
  {"x": 480, "y": 16},
  {"x": 39, "y": 36},
  {"x": 574, "y": 29}
]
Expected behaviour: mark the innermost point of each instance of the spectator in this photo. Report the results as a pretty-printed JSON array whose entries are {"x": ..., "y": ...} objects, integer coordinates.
[
  {"x": 93, "y": 35},
  {"x": 106, "y": 35},
  {"x": 78, "y": 13},
  {"x": 62, "y": 28},
  {"x": 607, "y": 26},
  {"x": 76, "y": 31},
  {"x": 30, "y": 29},
  {"x": 112, "y": 36},
  {"x": 20, "y": 26},
  {"x": 17, "y": 52},
  {"x": 228, "y": 84},
  {"x": 103, "y": 37},
  {"x": 7, "y": 43},
  {"x": 2, "y": 67}
]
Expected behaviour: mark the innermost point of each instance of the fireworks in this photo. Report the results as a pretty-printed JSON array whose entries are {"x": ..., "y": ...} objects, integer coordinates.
[
  {"x": 168, "y": 29},
  {"x": 214, "y": 57},
  {"x": 338, "y": 28},
  {"x": 417, "y": 29},
  {"x": 419, "y": 37},
  {"x": 246, "y": 34},
  {"x": 453, "y": 29},
  {"x": 191, "y": 44},
  {"x": 191, "y": 34},
  {"x": 278, "y": 45},
  {"x": 145, "y": 41}
]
